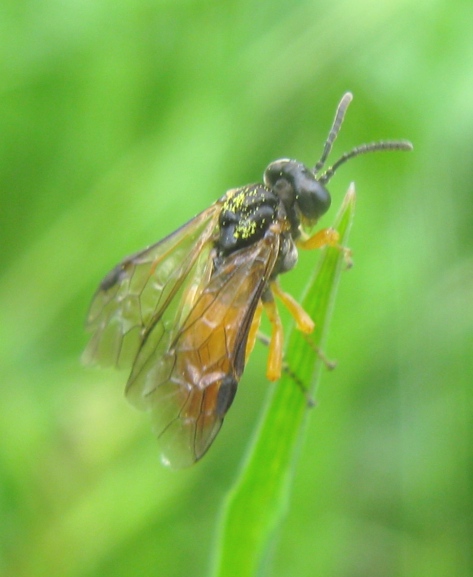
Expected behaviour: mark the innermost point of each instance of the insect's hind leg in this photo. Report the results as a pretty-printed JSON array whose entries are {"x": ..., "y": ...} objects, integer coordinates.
[
  {"x": 274, "y": 366},
  {"x": 254, "y": 329}
]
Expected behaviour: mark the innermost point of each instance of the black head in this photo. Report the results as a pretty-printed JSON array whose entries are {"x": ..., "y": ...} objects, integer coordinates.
[
  {"x": 298, "y": 188},
  {"x": 302, "y": 190}
]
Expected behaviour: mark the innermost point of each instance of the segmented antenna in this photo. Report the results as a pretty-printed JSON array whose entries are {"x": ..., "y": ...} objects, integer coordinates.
[
  {"x": 363, "y": 149},
  {"x": 332, "y": 135},
  {"x": 358, "y": 150}
]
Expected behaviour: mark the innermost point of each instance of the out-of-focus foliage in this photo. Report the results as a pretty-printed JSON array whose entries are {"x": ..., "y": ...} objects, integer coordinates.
[{"x": 119, "y": 121}]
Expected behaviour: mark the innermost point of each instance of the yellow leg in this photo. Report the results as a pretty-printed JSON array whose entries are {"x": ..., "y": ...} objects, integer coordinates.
[
  {"x": 303, "y": 321},
  {"x": 253, "y": 334},
  {"x": 274, "y": 366},
  {"x": 324, "y": 237}
]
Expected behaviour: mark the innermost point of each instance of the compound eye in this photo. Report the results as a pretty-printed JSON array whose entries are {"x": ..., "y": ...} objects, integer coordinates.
[{"x": 313, "y": 199}]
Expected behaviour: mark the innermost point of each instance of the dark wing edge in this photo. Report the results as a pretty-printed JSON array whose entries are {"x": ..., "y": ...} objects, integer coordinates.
[{"x": 137, "y": 291}]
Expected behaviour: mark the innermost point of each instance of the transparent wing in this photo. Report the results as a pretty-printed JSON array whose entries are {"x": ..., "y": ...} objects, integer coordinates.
[
  {"x": 187, "y": 380},
  {"x": 137, "y": 291}
]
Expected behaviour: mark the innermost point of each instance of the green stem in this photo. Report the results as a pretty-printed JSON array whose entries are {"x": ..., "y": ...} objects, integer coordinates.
[{"x": 256, "y": 504}]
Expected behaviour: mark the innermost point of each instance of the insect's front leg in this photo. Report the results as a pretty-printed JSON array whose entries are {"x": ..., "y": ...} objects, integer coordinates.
[{"x": 325, "y": 237}]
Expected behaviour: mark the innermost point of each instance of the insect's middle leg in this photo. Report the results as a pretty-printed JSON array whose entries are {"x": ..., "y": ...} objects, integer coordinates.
[{"x": 303, "y": 321}]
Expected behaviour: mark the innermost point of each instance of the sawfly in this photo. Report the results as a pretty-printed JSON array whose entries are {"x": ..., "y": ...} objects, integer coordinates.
[{"x": 184, "y": 313}]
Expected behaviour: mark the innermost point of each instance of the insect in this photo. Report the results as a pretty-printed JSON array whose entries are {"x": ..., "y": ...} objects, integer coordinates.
[{"x": 184, "y": 313}]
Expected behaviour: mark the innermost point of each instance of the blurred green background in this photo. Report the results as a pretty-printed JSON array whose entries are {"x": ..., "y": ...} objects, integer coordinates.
[{"x": 121, "y": 120}]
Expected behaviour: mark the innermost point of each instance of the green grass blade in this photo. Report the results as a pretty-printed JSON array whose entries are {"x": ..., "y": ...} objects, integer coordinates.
[{"x": 259, "y": 499}]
